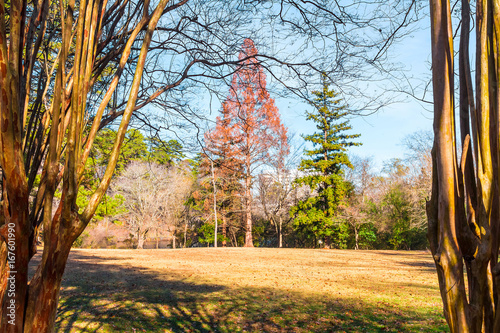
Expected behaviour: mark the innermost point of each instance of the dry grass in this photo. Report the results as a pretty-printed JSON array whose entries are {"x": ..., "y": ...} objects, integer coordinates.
[{"x": 249, "y": 290}]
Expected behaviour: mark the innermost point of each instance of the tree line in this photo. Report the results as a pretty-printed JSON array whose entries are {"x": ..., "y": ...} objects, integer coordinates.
[{"x": 246, "y": 188}]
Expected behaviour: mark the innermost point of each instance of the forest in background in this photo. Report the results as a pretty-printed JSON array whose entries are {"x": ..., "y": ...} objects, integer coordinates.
[
  {"x": 385, "y": 208},
  {"x": 254, "y": 184}
]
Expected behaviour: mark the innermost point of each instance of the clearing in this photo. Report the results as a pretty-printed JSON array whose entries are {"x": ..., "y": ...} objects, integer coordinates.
[{"x": 249, "y": 290}]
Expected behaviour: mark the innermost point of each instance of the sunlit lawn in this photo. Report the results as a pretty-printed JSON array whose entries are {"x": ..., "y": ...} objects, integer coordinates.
[{"x": 249, "y": 290}]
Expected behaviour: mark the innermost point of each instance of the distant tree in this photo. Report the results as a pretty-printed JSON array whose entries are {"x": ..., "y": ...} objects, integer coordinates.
[
  {"x": 275, "y": 197},
  {"x": 317, "y": 216},
  {"x": 403, "y": 205},
  {"x": 360, "y": 201},
  {"x": 221, "y": 164},
  {"x": 275, "y": 191},
  {"x": 206, "y": 234},
  {"x": 250, "y": 125},
  {"x": 178, "y": 188},
  {"x": 153, "y": 196},
  {"x": 134, "y": 148},
  {"x": 164, "y": 152}
]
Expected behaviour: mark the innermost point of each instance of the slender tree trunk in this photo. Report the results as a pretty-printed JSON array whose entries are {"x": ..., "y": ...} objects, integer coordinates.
[
  {"x": 234, "y": 240},
  {"x": 173, "y": 241},
  {"x": 157, "y": 239},
  {"x": 185, "y": 233},
  {"x": 356, "y": 237},
  {"x": 224, "y": 226},
  {"x": 281, "y": 232},
  {"x": 215, "y": 203},
  {"x": 248, "y": 212}
]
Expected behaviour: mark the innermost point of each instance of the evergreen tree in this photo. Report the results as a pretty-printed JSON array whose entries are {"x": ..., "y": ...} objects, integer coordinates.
[
  {"x": 165, "y": 152},
  {"x": 134, "y": 148},
  {"x": 317, "y": 216}
]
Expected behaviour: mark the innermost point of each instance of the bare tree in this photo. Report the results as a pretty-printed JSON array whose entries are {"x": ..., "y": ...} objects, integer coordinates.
[
  {"x": 394, "y": 199},
  {"x": 362, "y": 177},
  {"x": 154, "y": 196},
  {"x": 276, "y": 193},
  {"x": 178, "y": 188},
  {"x": 68, "y": 69}
]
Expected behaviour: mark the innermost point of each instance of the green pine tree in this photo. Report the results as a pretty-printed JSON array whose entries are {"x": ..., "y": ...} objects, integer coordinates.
[
  {"x": 165, "y": 152},
  {"x": 134, "y": 148},
  {"x": 316, "y": 218}
]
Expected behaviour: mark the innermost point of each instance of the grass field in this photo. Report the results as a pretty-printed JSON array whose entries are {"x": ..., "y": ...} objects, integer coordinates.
[{"x": 249, "y": 290}]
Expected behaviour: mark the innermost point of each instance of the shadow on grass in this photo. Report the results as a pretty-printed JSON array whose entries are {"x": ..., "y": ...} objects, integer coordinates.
[
  {"x": 110, "y": 297},
  {"x": 425, "y": 265}
]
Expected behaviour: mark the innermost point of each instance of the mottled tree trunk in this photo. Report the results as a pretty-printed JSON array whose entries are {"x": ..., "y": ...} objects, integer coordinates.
[
  {"x": 442, "y": 208},
  {"x": 14, "y": 273},
  {"x": 44, "y": 288},
  {"x": 463, "y": 216},
  {"x": 356, "y": 238}
]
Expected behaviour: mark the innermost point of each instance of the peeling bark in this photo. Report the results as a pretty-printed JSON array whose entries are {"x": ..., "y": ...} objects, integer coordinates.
[
  {"x": 32, "y": 307},
  {"x": 463, "y": 212}
]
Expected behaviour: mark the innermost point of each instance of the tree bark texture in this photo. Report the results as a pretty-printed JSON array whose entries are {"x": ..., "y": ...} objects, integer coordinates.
[
  {"x": 463, "y": 212},
  {"x": 53, "y": 140}
]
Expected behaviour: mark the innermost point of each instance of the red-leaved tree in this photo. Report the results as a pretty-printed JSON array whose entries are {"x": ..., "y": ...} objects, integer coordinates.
[
  {"x": 250, "y": 125},
  {"x": 222, "y": 166}
]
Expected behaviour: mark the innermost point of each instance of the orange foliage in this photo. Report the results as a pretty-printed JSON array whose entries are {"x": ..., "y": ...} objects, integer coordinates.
[{"x": 249, "y": 131}]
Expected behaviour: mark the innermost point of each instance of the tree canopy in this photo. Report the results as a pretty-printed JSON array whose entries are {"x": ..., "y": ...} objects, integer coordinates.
[{"x": 251, "y": 126}]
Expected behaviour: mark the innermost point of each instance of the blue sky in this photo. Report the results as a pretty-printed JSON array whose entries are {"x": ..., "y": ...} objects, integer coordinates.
[{"x": 382, "y": 133}]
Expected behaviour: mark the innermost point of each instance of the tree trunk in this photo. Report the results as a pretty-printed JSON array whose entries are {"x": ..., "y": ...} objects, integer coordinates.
[
  {"x": 140, "y": 239},
  {"x": 356, "y": 238},
  {"x": 281, "y": 233},
  {"x": 215, "y": 203},
  {"x": 234, "y": 240},
  {"x": 15, "y": 257},
  {"x": 44, "y": 289},
  {"x": 248, "y": 212},
  {"x": 173, "y": 241},
  {"x": 444, "y": 206},
  {"x": 157, "y": 239},
  {"x": 43, "y": 294},
  {"x": 224, "y": 226}
]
